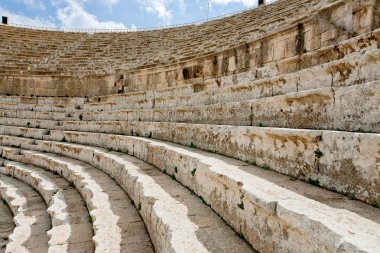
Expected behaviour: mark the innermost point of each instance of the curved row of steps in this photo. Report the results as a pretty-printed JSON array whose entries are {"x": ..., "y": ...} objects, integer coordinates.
[
  {"x": 71, "y": 228},
  {"x": 110, "y": 208},
  {"x": 186, "y": 218},
  {"x": 278, "y": 202},
  {"x": 309, "y": 155},
  {"x": 30, "y": 217},
  {"x": 6, "y": 225}
]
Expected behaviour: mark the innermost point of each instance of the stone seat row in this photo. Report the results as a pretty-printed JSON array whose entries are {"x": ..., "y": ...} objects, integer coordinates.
[
  {"x": 233, "y": 189},
  {"x": 354, "y": 68},
  {"x": 116, "y": 225},
  {"x": 339, "y": 69},
  {"x": 220, "y": 38},
  {"x": 352, "y": 108},
  {"x": 71, "y": 228}
]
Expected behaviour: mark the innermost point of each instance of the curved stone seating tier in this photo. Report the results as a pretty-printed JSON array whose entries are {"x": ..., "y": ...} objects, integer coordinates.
[
  {"x": 40, "y": 101},
  {"x": 258, "y": 132},
  {"x": 278, "y": 204},
  {"x": 6, "y": 225},
  {"x": 72, "y": 230},
  {"x": 30, "y": 217},
  {"x": 353, "y": 108},
  {"x": 110, "y": 209},
  {"x": 176, "y": 214},
  {"x": 46, "y": 64},
  {"x": 304, "y": 154},
  {"x": 343, "y": 72},
  {"x": 358, "y": 68}
]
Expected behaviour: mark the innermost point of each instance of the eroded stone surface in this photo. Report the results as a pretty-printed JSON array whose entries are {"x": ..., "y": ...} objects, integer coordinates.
[
  {"x": 70, "y": 219},
  {"x": 109, "y": 207},
  {"x": 6, "y": 225},
  {"x": 30, "y": 217}
]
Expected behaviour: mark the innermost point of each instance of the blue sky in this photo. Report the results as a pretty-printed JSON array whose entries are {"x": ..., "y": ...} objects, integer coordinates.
[{"x": 115, "y": 14}]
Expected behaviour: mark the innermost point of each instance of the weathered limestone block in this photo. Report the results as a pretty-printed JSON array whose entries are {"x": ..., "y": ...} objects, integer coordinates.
[
  {"x": 276, "y": 224},
  {"x": 53, "y": 196},
  {"x": 30, "y": 217}
]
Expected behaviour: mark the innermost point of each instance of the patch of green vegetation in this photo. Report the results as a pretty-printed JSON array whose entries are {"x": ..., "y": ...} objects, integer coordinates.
[
  {"x": 193, "y": 172},
  {"x": 203, "y": 200},
  {"x": 90, "y": 219},
  {"x": 192, "y": 145},
  {"x": 108, "y": 150},
  {"x": 318, "y": 153},
  {"x": 241, "y": 205},
  {"x": 139, "y": 207},
  {"x": 150, "y": 134},
  {"x": 173, "y": 177},
  {"x": 175, "y": 169},
  {"x": 63, "y": 139},
  {"x": 292, "y": 179},
  {"x": 240, "y": 234},
  {"x": 375, "y": 204},
  {"x": 253, "y": 163},
  {"x": 314, "y": 182},
  {"x": 260, "y": 125},
  {"x": 265, "y": 167}
]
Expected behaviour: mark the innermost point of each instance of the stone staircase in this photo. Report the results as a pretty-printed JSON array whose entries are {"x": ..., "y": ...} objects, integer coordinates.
[{"x": 284, "y": 157}]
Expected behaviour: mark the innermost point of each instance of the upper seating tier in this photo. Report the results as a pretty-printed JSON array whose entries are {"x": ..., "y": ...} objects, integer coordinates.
[{"x": 53, "y": 63}]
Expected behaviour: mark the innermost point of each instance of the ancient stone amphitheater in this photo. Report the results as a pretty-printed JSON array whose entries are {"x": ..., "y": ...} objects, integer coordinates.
[{"x": 258, "y": 132}]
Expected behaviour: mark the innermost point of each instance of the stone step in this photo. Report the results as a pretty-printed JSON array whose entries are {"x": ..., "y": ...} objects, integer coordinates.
[
  {"x": 353, "y": 108},
  {"x": 235, "y": 190},
  {"x": 245, "y": 86},
  {"x": 30, "y": 217},
  {"x": 195, "y": 226},
  {"x": 111, "y": 211},
  {"x": 43, "y": 100},
  {"x": 6, "y": 225},
  {"x": 319, "y": 156},
  {"x": 71, "y": 231},
  {"x": 38, "y": 107}
]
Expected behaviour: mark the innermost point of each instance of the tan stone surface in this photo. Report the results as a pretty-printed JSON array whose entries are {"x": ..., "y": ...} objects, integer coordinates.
[
  {"x": 68, "y": 226},
  {"x": 30, "y": 217}
]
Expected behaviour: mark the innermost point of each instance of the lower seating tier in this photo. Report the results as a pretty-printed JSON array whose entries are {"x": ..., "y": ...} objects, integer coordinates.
[
  {"x": 6, "y": 225},
  {"x": 344, "y": 162},
  {"x": 110, "y": 209},
  {"x": 30, "y": 217},
  {"x": 200, "y": 229},
  {"x": 71, "y": 228},
  {"x": 330, "y": 222}
]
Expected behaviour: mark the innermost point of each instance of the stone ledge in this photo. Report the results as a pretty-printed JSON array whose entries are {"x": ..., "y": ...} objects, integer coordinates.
[{"x": 282, "y": 209}]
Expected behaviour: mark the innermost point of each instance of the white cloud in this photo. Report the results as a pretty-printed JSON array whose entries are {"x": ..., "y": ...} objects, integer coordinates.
[
  {"x": 225, "y": 2},
  {"x": 133, "y": 27},
  {"x": 34, "y": 4},
  {"x": 110, "y": 2},
  {"x": 15, "y": 18},
  {"x": 73, "y": 15},
  {"x": 157, "y": 7}
]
